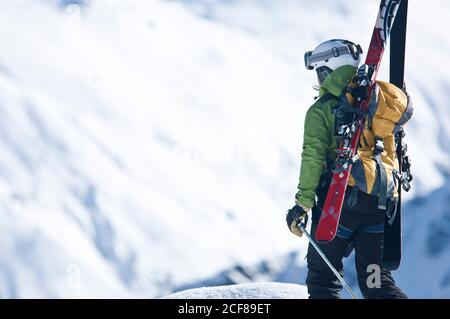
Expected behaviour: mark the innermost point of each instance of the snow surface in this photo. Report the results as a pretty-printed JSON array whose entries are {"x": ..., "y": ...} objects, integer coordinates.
[
  {"x": 270, "y": 290},
  {"x": 153, "y": 146}
]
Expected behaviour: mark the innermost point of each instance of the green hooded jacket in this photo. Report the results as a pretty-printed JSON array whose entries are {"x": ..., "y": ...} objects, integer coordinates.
[{"x": 319, "y": 145}]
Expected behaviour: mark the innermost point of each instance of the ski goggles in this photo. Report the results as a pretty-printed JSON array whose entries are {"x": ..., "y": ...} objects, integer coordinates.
[{"x": 349, "y": 48}]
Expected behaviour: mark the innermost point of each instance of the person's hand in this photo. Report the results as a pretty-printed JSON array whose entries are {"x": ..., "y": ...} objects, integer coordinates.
[{"x": 294, "y": 217}]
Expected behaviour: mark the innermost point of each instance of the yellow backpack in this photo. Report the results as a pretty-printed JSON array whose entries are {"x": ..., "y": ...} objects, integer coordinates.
[{"x": 376, "y": 171}]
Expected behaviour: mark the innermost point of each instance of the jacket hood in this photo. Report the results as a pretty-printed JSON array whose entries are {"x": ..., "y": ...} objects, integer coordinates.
[{"x": 337, "y": 80}]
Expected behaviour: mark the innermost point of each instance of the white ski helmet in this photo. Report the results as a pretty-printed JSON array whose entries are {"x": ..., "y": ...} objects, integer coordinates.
[{"x": 330, "y": 55}]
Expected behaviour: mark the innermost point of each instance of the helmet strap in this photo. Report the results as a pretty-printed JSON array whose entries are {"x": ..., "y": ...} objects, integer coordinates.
[{"x": 322, "y": 73}]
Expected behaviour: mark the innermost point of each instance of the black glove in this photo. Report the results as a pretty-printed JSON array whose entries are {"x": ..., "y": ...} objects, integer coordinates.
[
  {"x": 294, "y": 217},
  {"x": 360, "y": 92}
]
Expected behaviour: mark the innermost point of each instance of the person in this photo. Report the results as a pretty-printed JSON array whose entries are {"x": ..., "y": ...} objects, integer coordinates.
[{"x": 372, "y": 188}]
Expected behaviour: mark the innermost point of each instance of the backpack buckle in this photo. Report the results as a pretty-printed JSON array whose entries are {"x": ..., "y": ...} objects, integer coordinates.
[{"x": 379, "y": 146}]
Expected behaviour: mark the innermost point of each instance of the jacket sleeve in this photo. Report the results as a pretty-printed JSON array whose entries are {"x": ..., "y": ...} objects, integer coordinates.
[{"x": 315, "y": 144}]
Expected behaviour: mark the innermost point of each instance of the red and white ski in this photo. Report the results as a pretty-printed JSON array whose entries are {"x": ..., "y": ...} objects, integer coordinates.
[{"x": 347, "y": 152}]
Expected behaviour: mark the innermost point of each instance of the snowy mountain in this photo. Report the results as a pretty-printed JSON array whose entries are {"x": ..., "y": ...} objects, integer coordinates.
[
  {"x": 153, "y": 146},
  {"x": 268, "y": 290}
]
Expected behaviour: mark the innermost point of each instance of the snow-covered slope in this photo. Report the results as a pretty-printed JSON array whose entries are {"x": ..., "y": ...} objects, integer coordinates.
[
  {"x": 270, "y": 290},
  {"x": 136, "y": 154},
  {"x": 150, "y": 145}
]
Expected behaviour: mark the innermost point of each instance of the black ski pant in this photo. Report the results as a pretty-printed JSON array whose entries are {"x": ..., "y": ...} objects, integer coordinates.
[{"x": 360, "y": 227}]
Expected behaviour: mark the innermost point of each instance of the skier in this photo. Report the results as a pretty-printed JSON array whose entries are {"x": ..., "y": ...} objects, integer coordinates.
[{"x": 372, "y": 187}]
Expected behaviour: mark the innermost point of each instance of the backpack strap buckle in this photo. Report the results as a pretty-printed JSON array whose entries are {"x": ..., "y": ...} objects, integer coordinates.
[
  {"x": 404, "y": 179},
  {"x": 379, "y": 146}
]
